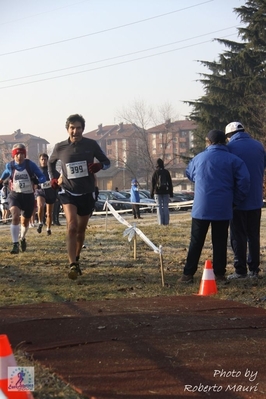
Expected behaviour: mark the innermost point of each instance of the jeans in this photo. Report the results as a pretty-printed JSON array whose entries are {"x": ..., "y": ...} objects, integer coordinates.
[
  {"x": 219, "y": 235},
  {"x": 162, "y": 201},
  {"x": 245, "y": 232}
]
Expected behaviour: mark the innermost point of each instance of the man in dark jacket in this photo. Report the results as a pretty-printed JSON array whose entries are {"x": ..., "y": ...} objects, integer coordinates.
[
  {"x": 245, "y": 225},
  {"x": 221, "y": 180},
  {"x": 161, "y": 190}
]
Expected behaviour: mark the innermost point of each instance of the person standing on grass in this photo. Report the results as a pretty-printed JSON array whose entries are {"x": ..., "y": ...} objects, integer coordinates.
[
  {"x": 77, "y": 184},
  {"x": 4, "y": 202},
  {"x": 245, "y": 225},
  {"x": 134, "y": 197},
  {"x": 221, "y": 181},
  {"x": 56, "y": 211},
  {"x": 23, "y": 174},
  {"x": 161, "y": 190},
  {"x": 46, "y": 196}
]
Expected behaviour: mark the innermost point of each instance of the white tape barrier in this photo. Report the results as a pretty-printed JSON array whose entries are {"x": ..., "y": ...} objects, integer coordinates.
[
  {"x": 2, "y": 395},
  {"x": 132, "y": 229},
  {"x": 142, "y": 206}
]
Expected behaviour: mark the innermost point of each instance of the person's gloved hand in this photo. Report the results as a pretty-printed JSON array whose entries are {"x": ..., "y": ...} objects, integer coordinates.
[
  {"x": 54, "y": 184},
  {"x": 95, "y": 167}
]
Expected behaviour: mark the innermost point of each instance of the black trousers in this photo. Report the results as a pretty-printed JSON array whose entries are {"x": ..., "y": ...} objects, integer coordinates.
[
  {"x": 219, "y": 236},
  {"x": 245, "y": 233},
  {"x": 56, "y": 211},
  {"x": 136, "y": 211}
]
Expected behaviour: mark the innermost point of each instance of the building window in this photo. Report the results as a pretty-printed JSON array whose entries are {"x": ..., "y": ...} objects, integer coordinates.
[{"x": 109, "y": 152}]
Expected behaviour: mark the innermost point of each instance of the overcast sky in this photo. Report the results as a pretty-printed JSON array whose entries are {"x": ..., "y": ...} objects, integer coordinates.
[{"x": 98, "y": 57}]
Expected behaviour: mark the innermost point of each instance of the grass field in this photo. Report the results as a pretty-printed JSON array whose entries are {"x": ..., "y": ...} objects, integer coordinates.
[{"x": 109, "y": 271}]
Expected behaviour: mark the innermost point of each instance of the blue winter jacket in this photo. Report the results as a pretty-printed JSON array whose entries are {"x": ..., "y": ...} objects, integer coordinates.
[
  {"x": 253, "y": 154},
  {"x": 134, "y": 194},
  {"x": 221, "y": 180}
]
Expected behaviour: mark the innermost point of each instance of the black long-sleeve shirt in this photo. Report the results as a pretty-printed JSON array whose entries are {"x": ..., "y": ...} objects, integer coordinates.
[{"x": 74, "y": 159}]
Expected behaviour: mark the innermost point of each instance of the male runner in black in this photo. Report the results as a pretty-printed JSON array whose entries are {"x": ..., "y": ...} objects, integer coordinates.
[{"x": 77, "y": 183}]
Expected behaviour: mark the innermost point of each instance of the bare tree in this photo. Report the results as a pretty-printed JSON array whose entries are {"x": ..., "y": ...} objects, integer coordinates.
[
  {"x": 5, "y": 156},
  {"x": 141, "y": 158}
]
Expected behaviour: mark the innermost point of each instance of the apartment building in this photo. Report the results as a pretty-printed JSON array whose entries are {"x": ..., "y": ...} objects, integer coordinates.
[
  {"x": 172, "y": 142},
  {"x": 133, "y": 152},
  {"x": 34, "y": 145}
]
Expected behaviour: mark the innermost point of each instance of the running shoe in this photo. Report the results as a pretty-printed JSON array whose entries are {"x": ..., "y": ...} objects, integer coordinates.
[
  {"x": 49, "y": 232},
  {"x": 15, "y": 249},
  {"x": 23, "y": 244},
  {"x": 236, "y": 276},
  {"x": 254, "y": 274},
  {"x": 74, "y": 271},
  {"x": 39, "y": 229}
]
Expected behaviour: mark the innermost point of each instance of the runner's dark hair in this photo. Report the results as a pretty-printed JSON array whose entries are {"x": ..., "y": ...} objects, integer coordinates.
[{"x": 75, "y": 118}]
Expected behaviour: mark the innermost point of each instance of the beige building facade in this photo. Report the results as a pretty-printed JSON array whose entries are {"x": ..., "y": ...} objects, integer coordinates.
[
  {"x": 34, "y": 145},
  {"x": 133, "y": 152}
]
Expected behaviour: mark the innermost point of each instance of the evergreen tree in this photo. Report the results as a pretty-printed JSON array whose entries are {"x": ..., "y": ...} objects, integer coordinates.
[{"x": 235, "y": 88}]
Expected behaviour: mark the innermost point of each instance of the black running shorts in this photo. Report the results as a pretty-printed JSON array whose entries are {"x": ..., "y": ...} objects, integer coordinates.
[
  {"x": 84, "y": 202},
  {"x": 25, "y": 202}
]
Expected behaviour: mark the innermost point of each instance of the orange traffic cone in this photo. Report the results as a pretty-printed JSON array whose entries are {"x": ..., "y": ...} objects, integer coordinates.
[
  {"x": 208, "y": 284},
  {"x": 7, "y": 359}
]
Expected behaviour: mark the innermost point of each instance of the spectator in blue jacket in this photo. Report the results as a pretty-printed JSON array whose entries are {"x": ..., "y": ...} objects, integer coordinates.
[
  {"x": 245, "y": 225},
  {"x": 135, "y": 198},
  {"x": 221, "y": 180}
]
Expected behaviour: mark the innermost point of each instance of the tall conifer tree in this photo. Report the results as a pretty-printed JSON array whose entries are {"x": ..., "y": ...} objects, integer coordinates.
[{"x": 235, "y": 88}]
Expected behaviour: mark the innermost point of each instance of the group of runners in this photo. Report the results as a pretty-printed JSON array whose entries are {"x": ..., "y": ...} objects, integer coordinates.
[{"x": 75, "y": 184}]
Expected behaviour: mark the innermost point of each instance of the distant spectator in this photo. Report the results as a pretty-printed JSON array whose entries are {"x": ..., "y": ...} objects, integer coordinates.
[
  {"x": 4, "y": 202},
  {"x": 162, "y": 189},
  {"x": 134, "y": 197},
  {"x": 56, "y": 211}
]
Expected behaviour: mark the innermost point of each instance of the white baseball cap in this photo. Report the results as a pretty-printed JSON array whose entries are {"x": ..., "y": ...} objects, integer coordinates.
[{"x": 233, "y": 127}]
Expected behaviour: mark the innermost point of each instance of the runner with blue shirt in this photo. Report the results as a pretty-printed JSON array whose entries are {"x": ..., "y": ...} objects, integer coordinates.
[{"x": 23, "y": 174}]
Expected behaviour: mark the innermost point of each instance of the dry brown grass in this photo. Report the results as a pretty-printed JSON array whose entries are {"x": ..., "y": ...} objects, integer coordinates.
[{"x": 109, "y": 271}]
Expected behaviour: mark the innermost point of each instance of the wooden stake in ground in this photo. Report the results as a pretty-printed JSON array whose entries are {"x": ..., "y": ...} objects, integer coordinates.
[
  {"x": 135, "y": 246},
  {"x": 161, "y": 264}
]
